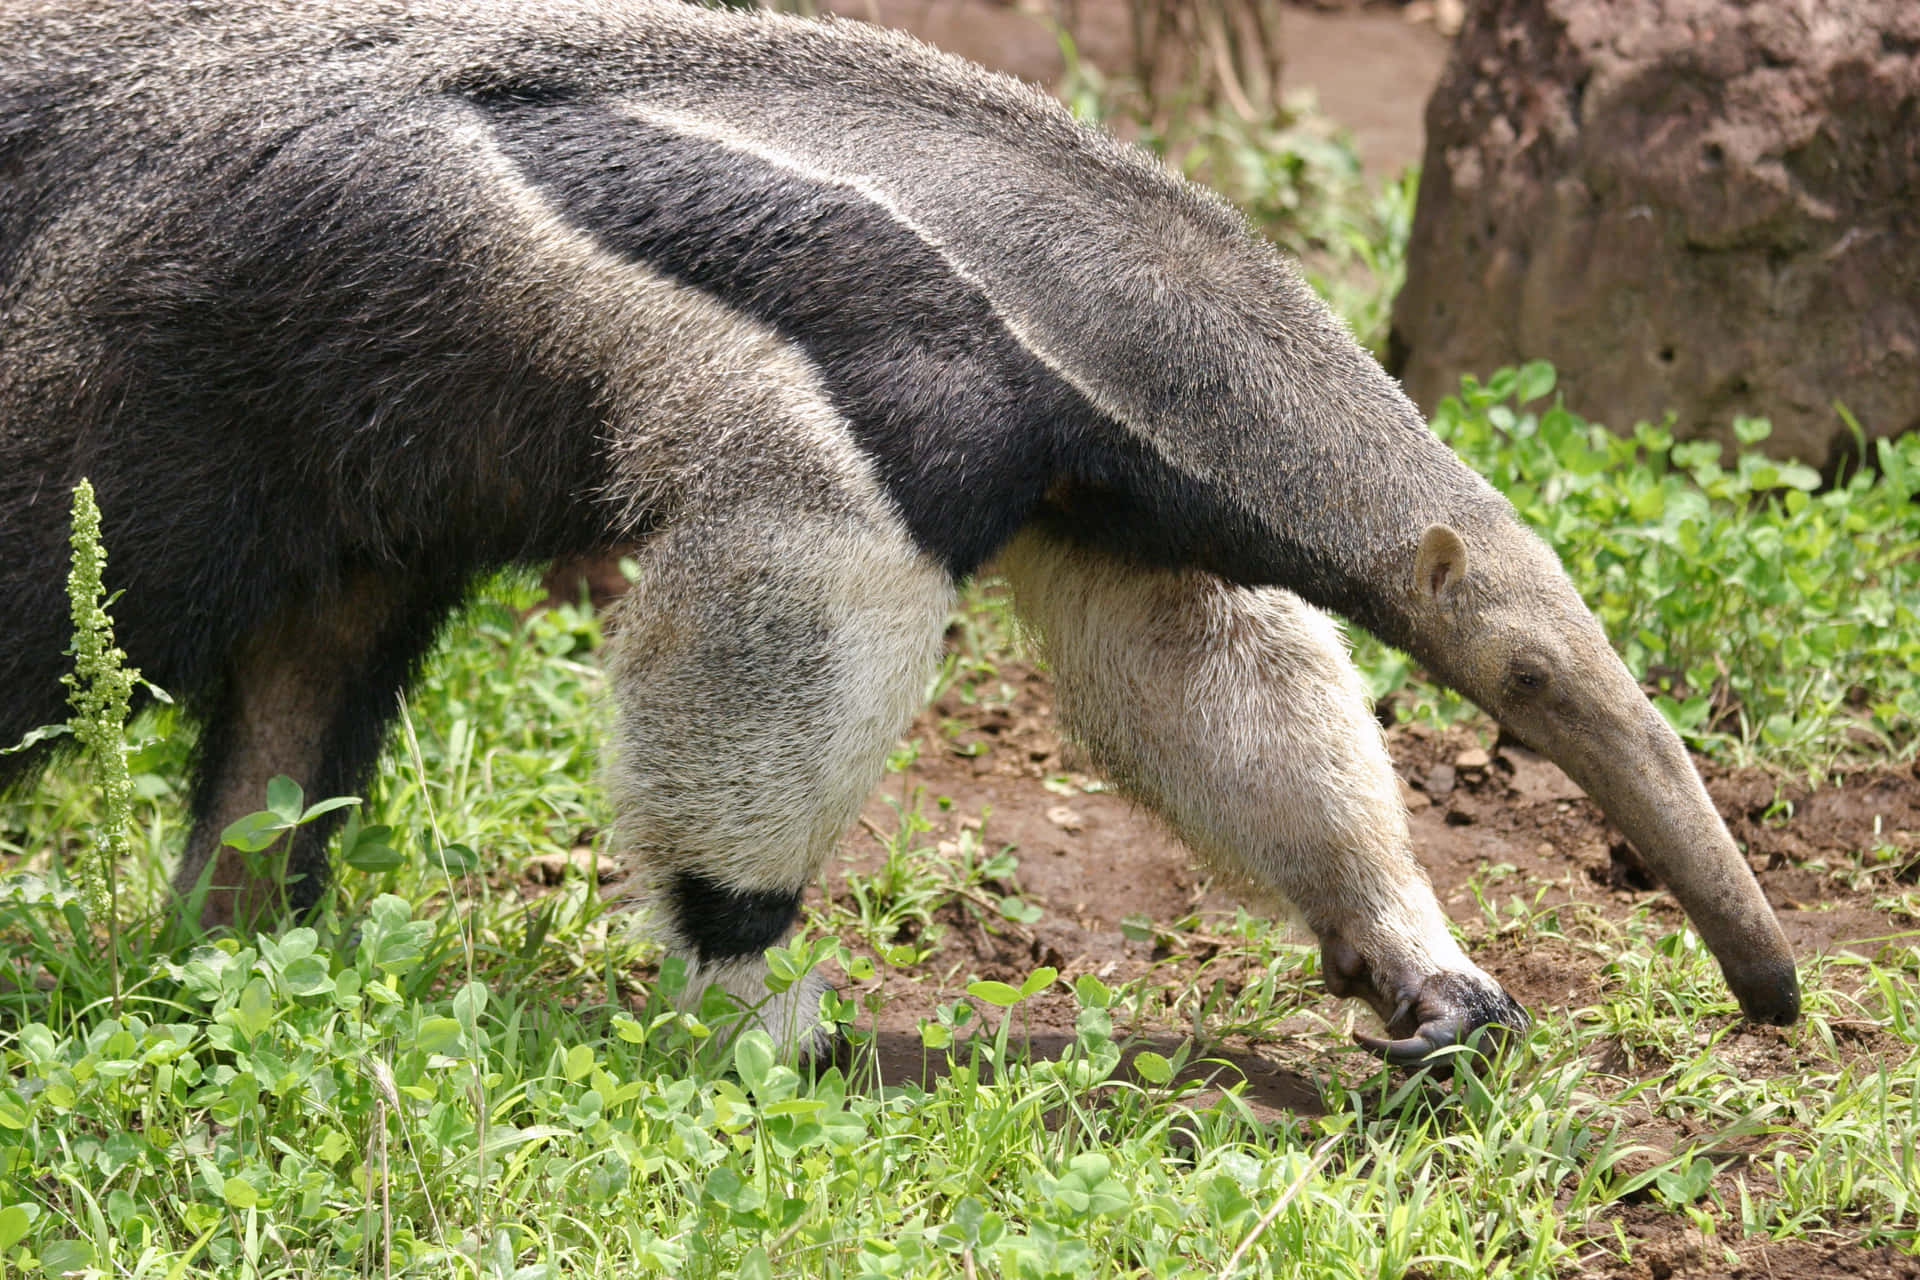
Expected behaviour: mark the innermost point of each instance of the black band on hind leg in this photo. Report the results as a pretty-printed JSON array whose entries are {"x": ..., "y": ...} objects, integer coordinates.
[{"x": 720, "y": 923}]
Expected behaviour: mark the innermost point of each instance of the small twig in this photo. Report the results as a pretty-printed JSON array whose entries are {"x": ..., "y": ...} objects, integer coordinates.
[
  {"x": 1218, "y": 45},
  {"x": 1321, "y": 1155},
  {"x": 1000, "y": 920}
]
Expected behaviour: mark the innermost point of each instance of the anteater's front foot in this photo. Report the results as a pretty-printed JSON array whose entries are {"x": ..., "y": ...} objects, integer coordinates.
[
  {"x": 791, "y": 1018},
  {"x": 1424, "y": 1013}
]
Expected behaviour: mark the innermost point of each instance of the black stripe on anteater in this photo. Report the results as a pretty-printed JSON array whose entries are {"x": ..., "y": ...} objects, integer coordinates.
[{"x": 968, "y": 429}]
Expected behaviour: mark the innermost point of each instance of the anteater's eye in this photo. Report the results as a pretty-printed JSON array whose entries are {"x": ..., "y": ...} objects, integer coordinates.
[{"x": 1525, "y": 678}]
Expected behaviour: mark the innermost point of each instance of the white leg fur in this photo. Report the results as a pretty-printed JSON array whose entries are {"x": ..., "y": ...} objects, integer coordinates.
[
  {"x": 765, "y": 662},
  {"x": 791, "y": 1017},
  {"x": 1237, "y": 716}
]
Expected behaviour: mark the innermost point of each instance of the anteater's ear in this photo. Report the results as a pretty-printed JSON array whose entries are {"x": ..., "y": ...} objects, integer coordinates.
[{"x": 1439, "y": 565}]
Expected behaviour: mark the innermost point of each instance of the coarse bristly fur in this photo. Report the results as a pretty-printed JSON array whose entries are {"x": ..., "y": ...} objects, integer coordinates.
[{"x": 341, "y": 303}]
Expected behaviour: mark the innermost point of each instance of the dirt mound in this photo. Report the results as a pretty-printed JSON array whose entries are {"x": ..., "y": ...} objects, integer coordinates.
[{"x": 1698, "y": 208}]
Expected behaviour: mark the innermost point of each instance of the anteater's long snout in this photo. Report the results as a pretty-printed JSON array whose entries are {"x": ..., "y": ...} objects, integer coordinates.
[{"x": 1656, "y": 798}]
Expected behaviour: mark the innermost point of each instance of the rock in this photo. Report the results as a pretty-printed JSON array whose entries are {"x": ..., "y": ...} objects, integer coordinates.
[
  {"x": 1447, "y": 16},
  {"x": 1068, "y": 820},
  {"x": 1042, "y": 745},
  {"x": 1536, "y": 779},
  {"x": 1472, "y": 758},
  {"x": 1683, "y": 204},
  {"x": 552, "y": 868},
  {"x": 1440, "y": 780}
]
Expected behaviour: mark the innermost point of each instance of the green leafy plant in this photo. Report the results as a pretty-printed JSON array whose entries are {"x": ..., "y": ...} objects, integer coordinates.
[
  {"x": 286, "y": 811},
  {"x": 99, "y": 689}
]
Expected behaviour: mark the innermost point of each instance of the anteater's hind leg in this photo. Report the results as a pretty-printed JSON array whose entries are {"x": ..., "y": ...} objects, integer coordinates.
[
  {"x": 1237, "y": 716},
  {"x": 309, "y": 694},
  {"x": 763, "y": 663}
]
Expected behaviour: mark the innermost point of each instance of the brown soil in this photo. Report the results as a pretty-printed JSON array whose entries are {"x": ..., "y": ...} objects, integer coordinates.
[{"x": 1485, "y": 814}]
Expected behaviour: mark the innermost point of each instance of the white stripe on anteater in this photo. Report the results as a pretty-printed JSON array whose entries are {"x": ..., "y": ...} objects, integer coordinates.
[{"x": 871, "y": 188}]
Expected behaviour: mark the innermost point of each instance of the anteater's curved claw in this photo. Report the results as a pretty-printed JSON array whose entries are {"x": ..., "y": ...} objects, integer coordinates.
[
  {"x": 1430, "y": 1038},
  {"x": 1447, "y": 1009}
]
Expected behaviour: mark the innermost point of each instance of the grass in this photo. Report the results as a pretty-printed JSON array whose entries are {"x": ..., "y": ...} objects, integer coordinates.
[
  {"x": 275, "y": 1109},
  {"x": 445, "y": 1078}
]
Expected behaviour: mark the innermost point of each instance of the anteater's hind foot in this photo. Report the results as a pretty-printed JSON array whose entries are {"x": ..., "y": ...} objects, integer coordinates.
[{"x": 308, "y": 695}]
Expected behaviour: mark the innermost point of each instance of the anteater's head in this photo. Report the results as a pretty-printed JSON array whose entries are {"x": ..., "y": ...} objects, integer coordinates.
[{"x": 1494, "y": 616}]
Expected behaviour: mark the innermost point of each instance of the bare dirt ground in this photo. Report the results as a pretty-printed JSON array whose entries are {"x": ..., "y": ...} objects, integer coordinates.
[{"x": 1486, "y": 814}]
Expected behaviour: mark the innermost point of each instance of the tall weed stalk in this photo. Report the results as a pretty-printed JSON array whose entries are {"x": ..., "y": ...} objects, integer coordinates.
[{"x": 99, "y": 690}]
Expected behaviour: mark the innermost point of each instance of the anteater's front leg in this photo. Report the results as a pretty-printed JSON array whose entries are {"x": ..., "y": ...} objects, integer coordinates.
[
  {"x": 764, "y": 662},
  {"x": 1236, "y": 715}
]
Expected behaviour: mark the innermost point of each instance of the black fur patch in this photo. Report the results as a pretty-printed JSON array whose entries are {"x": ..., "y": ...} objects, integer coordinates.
[
  {"x": 721, "y": 923},
  {"x": 968, "y": 428}
]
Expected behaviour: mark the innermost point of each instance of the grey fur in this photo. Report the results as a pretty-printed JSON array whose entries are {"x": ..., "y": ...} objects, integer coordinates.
[{"x": 340, "y": 303}]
